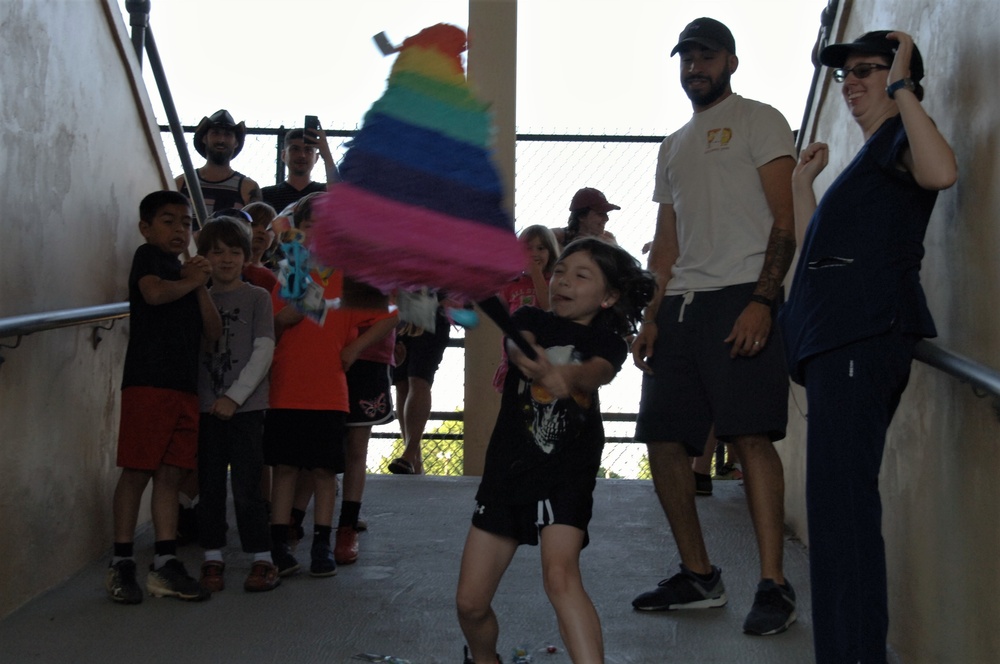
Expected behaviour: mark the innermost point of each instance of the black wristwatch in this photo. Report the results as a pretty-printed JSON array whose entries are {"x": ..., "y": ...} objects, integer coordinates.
[{"x": 902, "y": 83}]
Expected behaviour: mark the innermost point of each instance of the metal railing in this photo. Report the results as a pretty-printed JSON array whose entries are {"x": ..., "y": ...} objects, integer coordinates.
[
  {"x": 21, "y": 326},
  {"x": 984, "y": 380}
]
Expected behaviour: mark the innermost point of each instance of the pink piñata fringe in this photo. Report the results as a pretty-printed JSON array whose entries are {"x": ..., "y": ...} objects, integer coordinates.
[{"x": 392, "y": 245}]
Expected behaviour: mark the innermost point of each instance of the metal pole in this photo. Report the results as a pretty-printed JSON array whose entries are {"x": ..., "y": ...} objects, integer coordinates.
[
  {"x": 193, "y": 183},
  {"x": 827, "y": 17},
  {"x": 138, "y": 11},
  {"x": 279, "y": 170}
]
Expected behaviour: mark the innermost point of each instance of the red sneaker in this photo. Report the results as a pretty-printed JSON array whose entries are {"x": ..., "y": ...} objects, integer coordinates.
[
  {"x": 346, "y": 550},
  {"x": 211, "y": 575},
  {"x": 263, "y": 577}
]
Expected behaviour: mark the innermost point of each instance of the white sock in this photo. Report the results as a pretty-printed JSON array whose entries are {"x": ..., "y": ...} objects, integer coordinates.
[
  {"x": 263, "y": 555},
  {"x": 213, "y": 555}
]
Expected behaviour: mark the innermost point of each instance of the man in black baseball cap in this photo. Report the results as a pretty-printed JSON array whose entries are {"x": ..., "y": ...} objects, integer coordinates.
[
  {"x": 706, "y": 32},
  {"x": 725, "y": 237},
  {"x": 702, "y": 40}
]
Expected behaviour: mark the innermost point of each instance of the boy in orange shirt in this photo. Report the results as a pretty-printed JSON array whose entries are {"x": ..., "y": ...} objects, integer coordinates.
[{"x": 305, "y": 426}]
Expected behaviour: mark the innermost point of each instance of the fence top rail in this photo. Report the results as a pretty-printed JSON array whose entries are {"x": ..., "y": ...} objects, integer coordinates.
[
  {"x": 570, "y": 138},
  {"x": 16, "y": 326}
]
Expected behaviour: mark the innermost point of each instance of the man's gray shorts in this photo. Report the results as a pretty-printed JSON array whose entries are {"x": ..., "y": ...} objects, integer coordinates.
[{"x": 696, "y": 384}]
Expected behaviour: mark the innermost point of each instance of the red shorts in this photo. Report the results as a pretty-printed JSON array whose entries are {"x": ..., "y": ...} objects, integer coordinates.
[{"x": 158, "y": 427}]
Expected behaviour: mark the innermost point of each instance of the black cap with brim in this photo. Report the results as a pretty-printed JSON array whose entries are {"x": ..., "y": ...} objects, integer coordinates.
[
  {"x": 706, "y": 32},
  {"x": 224, "y": 120},
  {"x": 874, "y": 43}
]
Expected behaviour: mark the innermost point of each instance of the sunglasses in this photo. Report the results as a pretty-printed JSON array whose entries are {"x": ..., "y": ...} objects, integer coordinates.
[{"x": 862, "y": 70}]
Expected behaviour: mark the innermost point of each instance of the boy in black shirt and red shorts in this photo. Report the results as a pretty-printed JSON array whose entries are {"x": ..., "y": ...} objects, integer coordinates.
[{"x": 170, "y": 311}]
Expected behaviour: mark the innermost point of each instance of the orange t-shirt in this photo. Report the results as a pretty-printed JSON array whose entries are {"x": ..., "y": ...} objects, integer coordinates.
[{"x": 306, "y": 372}]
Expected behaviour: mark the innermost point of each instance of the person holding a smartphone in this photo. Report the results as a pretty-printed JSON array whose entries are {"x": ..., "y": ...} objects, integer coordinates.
[{"x": 303, "y": 149}]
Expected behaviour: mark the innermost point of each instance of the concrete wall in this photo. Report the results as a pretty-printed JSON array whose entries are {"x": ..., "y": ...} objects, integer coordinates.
[
  {"x": 77, "y": 153},
  {"x": 939, "y": 481}
]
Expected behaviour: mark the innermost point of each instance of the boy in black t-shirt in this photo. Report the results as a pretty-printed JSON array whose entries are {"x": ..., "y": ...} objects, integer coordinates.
[{"x": 170, "y": 310}]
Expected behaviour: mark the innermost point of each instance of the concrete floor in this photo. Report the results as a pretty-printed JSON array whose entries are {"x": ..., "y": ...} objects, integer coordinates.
[{"x": 397, "y": 600}]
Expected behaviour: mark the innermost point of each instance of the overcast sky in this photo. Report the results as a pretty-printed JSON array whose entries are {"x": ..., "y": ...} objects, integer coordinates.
[{"x": 600, "y": 66}]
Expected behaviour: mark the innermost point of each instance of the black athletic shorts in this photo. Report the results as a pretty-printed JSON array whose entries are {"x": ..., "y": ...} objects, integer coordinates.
[
  {"x": 305, "y": 438},
  {"x": 423, "y": 352},
  {"x": 695, "y": 383},
  {"x": 523, "y": 523},
  {"x": 369, "y": 388}
]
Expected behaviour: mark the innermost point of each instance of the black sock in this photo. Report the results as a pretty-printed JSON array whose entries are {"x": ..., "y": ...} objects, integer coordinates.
[
  {"x": 279, "y": 533},
  {"x": 349, "y": 511},
  {"x": 124, "y": 550},
  {"x": 322, "y": 533},
  {"x": 165, "y": 547},
  {"x": 297, "y": 517}
]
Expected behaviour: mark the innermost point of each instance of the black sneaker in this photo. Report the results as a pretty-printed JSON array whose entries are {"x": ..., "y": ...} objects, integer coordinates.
[
  {"x": 121, "y": 584},
  {"x": 172, "y": 580},
  {"x": 702, "y": 484},
  {"x": 684, "y": 591},
  {"x": 773, "y": 609},
  {"x": 323, "y": 563},
  {"x": 283, "y": 559}
]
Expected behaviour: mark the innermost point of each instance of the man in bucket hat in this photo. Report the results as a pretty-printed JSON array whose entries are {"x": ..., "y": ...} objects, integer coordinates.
[{"x": 219, "y": 139}]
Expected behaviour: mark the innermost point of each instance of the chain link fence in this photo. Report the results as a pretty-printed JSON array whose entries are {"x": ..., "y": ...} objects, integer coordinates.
[{"x": 549, "y": 170}]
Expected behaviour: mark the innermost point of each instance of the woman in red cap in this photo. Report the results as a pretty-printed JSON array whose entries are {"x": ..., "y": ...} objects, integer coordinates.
[{"x": 588, "y": 215}]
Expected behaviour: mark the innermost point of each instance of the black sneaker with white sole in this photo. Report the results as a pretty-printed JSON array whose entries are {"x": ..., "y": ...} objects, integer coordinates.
[
  {"x": 684, "y": 590},
  {"x": 286, "y": 563},
  {"x": 773, "y": 609},
  {"x": 172, "y": 580},
  {"x": 121, "y": 584}
]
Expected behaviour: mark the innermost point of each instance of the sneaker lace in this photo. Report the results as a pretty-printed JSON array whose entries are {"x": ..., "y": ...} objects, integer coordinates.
[
  {"x": 772, "y": 598},
  {"x": 125, "y": 573}
]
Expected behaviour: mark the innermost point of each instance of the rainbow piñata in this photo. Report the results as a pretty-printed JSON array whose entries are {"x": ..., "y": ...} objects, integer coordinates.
[{"x": 420, "y": 202}]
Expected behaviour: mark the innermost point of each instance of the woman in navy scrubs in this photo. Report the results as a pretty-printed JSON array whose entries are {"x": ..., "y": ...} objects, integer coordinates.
[{"x": 855, "y": 312}]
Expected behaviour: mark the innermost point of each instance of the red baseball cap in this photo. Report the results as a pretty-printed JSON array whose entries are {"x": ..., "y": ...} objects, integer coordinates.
[{"x": 588, "y": 197}]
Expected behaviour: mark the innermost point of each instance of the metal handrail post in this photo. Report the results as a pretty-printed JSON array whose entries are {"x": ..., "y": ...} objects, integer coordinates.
[
  {"x": 138, "y": 12},
  {"x": 193, "y": 183}
]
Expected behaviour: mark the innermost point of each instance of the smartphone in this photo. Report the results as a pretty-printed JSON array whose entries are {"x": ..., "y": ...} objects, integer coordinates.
[{"x": 311, "y": 123}]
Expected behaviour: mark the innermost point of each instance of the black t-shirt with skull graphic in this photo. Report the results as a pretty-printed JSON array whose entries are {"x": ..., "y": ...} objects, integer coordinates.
[{"x": 540, "y": 442}]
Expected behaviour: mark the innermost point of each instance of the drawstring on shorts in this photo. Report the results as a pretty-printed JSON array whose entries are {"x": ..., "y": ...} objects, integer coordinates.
[{"x": 688, "y": 299}]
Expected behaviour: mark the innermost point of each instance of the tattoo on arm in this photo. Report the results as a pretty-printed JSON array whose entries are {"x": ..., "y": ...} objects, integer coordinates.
[{"x": 777, "y": 260}]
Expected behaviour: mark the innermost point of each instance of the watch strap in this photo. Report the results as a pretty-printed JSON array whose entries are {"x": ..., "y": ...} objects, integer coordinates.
[{"x": 902, "y": 83}]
